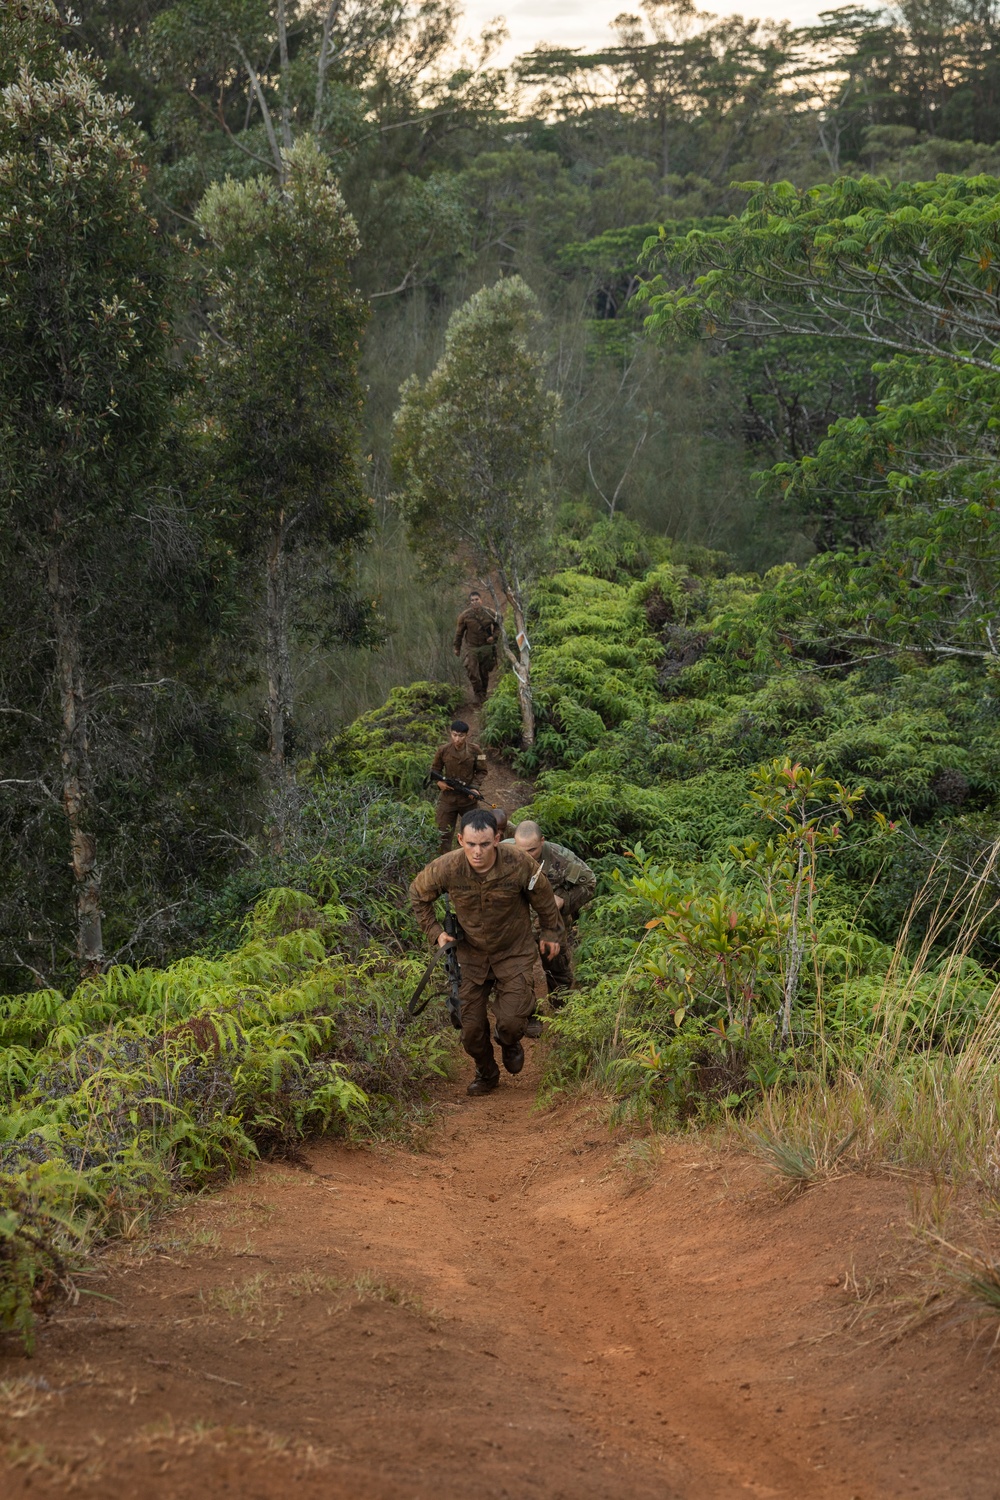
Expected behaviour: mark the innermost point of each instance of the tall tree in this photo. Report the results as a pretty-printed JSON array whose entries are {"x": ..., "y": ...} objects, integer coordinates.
[
  {"x": 283, "y": 394},
  {"x": 471, "y": 447},
  {"x": 83, "y": 389},
  {"x": 910, "y": 269}
]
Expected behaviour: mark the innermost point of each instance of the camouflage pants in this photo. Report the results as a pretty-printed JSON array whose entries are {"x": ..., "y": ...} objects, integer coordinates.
[
  {"x": 555, "y": 975},
  {"x": 479, "y": 663}
]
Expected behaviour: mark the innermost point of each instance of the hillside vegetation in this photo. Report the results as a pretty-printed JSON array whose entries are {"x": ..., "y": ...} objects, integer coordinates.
[
  {"x": 686, "y": 352},
  {"x": 761, "y": 821}
]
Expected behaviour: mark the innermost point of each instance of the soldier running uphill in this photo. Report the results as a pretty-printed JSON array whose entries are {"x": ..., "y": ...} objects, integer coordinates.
[
  {"x": 461, "y": 759},
  {"x": 478, "y": 628},
  {"x": 494, "y": 889},
  {"x": 573, "y": 884}
]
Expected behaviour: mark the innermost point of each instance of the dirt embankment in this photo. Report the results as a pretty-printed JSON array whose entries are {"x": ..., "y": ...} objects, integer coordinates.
[{"x": 498, "y": 1316}]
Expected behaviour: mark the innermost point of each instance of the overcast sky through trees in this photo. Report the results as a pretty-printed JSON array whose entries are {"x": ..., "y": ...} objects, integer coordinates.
[{"x": 586, "y": 23}]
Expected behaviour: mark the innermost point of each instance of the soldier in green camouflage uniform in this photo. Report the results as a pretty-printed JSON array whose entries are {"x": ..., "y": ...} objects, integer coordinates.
[{"x": 573, "y": 884}]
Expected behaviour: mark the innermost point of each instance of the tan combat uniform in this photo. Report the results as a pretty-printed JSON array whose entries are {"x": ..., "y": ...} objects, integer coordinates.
[
  {"x": 477, "y": 627},
  {"x": 467, "y": 764},
  {"x": 576, "y": 883},
  {"x": 498, "y": 947}
]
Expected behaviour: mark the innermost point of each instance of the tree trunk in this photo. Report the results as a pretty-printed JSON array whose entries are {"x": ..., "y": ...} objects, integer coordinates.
[
  {"x": 279, "y": 706},
  {"x": 286, "y": 82},
  {"x": 519, "y": 655},
  {"x": 522, "y": 671},
  {"x": 77, "y": 781},
  {"x": 795, "y": 948},
  {"x": 664, "y": 148}
]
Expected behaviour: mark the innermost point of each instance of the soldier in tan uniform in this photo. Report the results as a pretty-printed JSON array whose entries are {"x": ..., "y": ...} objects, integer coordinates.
[
  {"x": 573, "y": 884},
  {"x": 476, "y": 642},
  {"x": 463, "y": 760},
  {"x": 494, "y": 889}
]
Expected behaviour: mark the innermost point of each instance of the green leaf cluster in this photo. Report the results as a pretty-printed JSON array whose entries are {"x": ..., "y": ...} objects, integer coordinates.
[{"x": 146, "y": 1080}]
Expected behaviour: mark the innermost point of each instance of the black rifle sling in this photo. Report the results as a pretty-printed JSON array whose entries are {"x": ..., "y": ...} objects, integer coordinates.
[{"x": 416, "y": 1005}]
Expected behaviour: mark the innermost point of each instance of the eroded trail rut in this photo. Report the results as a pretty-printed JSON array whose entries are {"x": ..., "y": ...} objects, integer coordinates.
[{"x": 497, "y": 1316}]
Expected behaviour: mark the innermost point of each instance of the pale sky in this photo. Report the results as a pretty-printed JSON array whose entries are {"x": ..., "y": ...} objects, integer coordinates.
[{"x": 586, "y": 23}]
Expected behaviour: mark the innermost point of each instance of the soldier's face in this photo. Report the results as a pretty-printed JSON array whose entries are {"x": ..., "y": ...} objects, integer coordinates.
[
  {"x": 458, "y": 740},
  {"x": 480, "y": 846},
  {"x": 529, "y": 846},
  {"x": 475, "y": 599}
]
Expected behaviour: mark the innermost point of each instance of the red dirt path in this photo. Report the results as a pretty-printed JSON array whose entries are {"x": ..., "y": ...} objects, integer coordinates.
[{"x": 494, "y": 1316}]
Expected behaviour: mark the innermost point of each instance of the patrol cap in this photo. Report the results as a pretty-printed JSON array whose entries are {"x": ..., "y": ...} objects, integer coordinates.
[{"x": 459, "y": 726}]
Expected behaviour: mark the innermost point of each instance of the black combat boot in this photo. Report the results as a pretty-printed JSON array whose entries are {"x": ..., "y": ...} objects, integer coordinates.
[
  {"x": 511, "y": 1052},
  {"x": 484, "y": 1083},
  {"x": 534, "y": 1026}
]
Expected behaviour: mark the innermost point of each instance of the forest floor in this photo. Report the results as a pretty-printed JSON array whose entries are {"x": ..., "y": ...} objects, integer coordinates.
[{"x": 522, "y": 1304}]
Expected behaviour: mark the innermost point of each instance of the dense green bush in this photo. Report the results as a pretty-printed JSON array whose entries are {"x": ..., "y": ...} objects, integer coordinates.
[
  {"x": 392, "y": 746},
  {"x": 145, "y": 1080},
  {"x": 659, "y": 700},
  {"x": 349, "y": 841}
]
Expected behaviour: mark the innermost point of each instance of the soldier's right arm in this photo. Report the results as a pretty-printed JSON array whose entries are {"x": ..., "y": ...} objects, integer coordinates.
[
  {"x": 460, "y": 630},
  {"x": 437, "y": 764},
  {"x": 424, "y": 891}
]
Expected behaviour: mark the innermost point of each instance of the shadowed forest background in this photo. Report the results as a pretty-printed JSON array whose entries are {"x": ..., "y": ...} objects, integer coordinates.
[{"x": 455, "y": 173}]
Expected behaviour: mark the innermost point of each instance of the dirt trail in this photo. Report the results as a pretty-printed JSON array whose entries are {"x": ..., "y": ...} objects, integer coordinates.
[{"x": 497, "y": 1316}]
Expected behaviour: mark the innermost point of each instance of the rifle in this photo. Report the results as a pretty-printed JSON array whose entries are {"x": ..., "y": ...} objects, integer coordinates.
[
  {"x": 452, "y": 969},
  {"x": 454, "y": 784}
]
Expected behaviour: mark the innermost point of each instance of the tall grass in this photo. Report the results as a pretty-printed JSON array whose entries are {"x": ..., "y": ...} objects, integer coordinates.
[{"x": 909, "y": 1081}]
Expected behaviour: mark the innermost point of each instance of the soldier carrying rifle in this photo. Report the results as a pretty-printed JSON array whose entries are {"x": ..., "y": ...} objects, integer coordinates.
[
  {"x": 457, "y": 768},
  {"x": 494, "y": 889}
]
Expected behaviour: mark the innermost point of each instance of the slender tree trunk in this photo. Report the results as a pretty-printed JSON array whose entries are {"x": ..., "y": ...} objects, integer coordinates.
[
  {"x": 518, "y": 654},
  {"x": 522, "y": 670},
  {"x": 77, "y": 781},
  {"x": 286, "y": 82},
  {"x": 325, "y": 52},
  {"x": 664, "y": 148},
  {"x": 795, "y": 948},
  {"x": 279, "y": 697}
]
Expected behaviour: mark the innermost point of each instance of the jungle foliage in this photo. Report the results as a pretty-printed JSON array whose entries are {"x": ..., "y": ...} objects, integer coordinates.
[
  {"x": 145, "y": 1081},
  {"x": 767, "y": 810},
  {"x": 764, "y": 707}
]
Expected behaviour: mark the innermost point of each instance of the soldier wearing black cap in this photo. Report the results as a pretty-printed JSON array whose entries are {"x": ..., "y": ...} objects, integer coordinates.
[{"x": 463, "y": 760}]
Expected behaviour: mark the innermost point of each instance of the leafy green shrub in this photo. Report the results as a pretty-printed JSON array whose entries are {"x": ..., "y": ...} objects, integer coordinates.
[
  {"x": 680, "y": 820},
  {"x": 392, "y": 746},
  {"x": 351, "y": 843},
  {"x": 144, "y": 1080}
]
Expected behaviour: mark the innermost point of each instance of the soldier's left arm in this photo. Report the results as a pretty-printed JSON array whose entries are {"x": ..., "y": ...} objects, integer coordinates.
[
  {"x": 543, "y": 902},
  {"x": 581, "y": 887}
]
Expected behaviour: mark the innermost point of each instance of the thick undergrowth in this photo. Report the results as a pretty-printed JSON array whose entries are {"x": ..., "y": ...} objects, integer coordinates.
[
  {"x": 796, "y": 930},
  {"x": 291, "y": 1020}
]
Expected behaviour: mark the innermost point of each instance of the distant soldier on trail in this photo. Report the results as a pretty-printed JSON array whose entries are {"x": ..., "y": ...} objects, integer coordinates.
[
  {"x": 458, "y": 760},
  {"x": 476, "y": 642},
  {"x": 573, "y": 884},
  {"x": 494, "y": 889}
]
